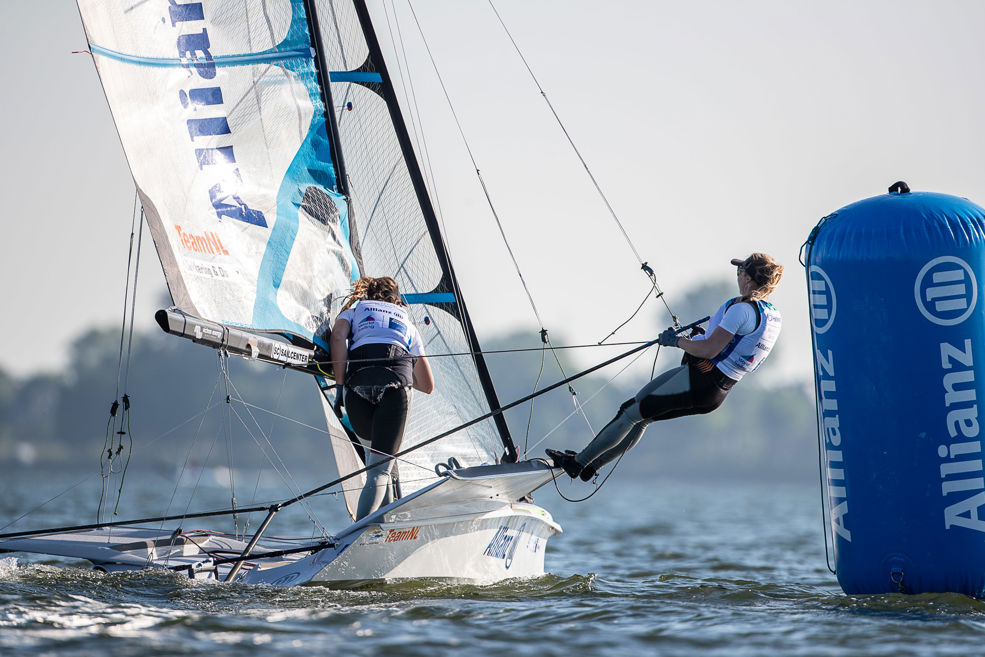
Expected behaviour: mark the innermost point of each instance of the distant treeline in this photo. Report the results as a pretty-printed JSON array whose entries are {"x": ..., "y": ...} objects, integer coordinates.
[{"x": 178, "y": 398}]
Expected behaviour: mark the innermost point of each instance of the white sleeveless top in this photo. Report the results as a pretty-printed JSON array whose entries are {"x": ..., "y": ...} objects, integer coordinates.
[
  {"x": 751, "y": 343},
  {"x": 379, "y": 322}
]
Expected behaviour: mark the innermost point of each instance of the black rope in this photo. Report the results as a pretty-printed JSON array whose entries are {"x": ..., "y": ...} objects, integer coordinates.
[
  {"x": 112, "y": 450},
  {"x": 597, "y": 488},
  {"x": 635, "y": 312},
  {"x": 473, "y": 421},
  {"x": 124, "y": 421},
  {"x": 123, "y": 523},
  {"x": 484, "y": 352}
]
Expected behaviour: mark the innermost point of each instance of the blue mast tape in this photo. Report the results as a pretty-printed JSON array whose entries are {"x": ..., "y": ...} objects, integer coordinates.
[
  {"x": 429, "y": 297},
  {"x": 354, "y": 76}
]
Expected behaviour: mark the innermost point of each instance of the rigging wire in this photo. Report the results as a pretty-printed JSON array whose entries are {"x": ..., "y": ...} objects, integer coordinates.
[
  {"x": 410, "y": 97},
  {"x": 643, "y": 265},
  {"x": 286, "y": 476},
  {"x": 210, "y": 404},
  {"x": 598, "y": 487},
  {"x": 530, "y": 418},
  {"x": 89, "y": 477},
  {"x": 315, "y": 491},
  {"x": 119, "y": 426},
  {"x": 270, "y": 432},
  {"x": 475, "y": 166},
  {"x": 593, "y": 396},
  {"x": 492, "y": 207},
  {"x": 224, "y": 373}
]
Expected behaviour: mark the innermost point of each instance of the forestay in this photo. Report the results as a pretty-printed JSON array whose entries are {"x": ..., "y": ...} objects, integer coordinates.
[{"x": 264, "y": 208}]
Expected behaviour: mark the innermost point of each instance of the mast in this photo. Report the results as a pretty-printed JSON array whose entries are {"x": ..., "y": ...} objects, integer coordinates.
[
  {"x": 430, "y": 219},
  {"x": 321, "y": 69}
]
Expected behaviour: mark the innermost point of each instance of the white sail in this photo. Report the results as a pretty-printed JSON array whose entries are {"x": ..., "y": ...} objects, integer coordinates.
[
  {"x": 264, "y": 209},
  {"x": 221, "y": 117},
  {"x": 398, "y": 236}
]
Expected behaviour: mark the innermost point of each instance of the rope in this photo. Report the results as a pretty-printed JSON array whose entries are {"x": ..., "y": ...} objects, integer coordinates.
[
  {"x": 335, "y": 482},
  {"x": 411, "y": 101},
  {"x": 210, "y": 404},
  {"x": 618, "y": 460},
  {"x": 478, "y": 173},
  {"x": 112, "y": 450},
  {"x": 530, "y": 418},
  {"x": 593, "y": 396},
  {"x": 224, "y": 370},
  {"x": 643, "y": 265},
  {"x": 499, "y": 224},
  {"x": 597, "y": 488}
]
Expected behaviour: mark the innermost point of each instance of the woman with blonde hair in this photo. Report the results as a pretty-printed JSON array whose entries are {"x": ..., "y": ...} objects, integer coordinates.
[
  {"x": 377, "y": 358},
  {"x": 740, "y": 336}
]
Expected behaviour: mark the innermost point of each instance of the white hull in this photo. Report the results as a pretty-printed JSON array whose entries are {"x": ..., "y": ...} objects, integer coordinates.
[
  {"x": 505, "y": 543},
  {"x": 466, "y": 527}
]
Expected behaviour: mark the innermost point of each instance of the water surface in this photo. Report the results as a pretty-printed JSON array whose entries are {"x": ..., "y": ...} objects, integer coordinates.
[{"x": 644, "y": 567}]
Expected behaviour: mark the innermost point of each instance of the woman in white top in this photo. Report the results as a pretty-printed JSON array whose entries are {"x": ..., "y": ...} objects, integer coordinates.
[
  {"x": 740, "y": 335},
  {"x": 377, "y": 358}
]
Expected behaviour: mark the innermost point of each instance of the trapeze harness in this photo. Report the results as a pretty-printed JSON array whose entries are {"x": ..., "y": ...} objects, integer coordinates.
[
  {"x": 711, "y": 379},
  {"x": 383, "y": 344},
  {"x": 696, "y": 386}
]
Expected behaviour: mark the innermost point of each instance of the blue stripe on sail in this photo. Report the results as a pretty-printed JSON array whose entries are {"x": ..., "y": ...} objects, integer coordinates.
[
  {"x": 221, "y": 60},
  {"x": 429, "y": 297},
  {"x": 312, "y": 166},
  {"x": 354, "y": 76}
]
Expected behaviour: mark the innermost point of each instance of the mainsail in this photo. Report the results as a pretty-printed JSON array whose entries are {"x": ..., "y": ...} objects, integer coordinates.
[{"x": 264, "y": 207}]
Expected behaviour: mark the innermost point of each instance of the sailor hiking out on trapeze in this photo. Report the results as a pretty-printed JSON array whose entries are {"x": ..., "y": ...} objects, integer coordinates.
[
  {"x": 383, "y": 360},
  {"x": 740, "y": 336}
]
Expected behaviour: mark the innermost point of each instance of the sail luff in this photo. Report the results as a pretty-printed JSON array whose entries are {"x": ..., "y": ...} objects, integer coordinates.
[{"x": 431, "y": 221}]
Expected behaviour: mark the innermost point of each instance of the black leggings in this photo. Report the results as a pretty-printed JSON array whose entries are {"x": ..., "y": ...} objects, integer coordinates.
[
  {"x": 704, "y": 392},
  {"x": 684, "y": 390},
  {"x": 381, "y": 424}
]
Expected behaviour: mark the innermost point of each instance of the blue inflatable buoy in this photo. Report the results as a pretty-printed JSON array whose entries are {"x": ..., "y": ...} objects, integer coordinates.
[{"x": 898, "y": 323}]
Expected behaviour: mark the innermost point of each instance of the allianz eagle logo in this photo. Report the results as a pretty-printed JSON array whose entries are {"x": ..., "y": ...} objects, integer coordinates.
[
  {"x": 824, "y": 304},
  {"x": 946, "y": 291}
]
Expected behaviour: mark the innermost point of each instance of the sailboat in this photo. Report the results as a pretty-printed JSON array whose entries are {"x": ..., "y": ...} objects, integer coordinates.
[{"x": 274, "y": 167}]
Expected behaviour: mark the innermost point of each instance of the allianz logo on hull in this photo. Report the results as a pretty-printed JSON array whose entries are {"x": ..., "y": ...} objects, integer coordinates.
[
  {"x": 504, "y": 543},
  {"x": 946, "y": 291}
]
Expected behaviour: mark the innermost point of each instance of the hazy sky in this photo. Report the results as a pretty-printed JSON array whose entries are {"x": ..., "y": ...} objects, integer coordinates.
[{"x": 715, "y": 128}]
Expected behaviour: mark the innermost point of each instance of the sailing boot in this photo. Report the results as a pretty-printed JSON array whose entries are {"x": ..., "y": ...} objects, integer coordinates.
[
  {"x": 589, "y": 471},
  {"x": 566, "y": 461}
]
